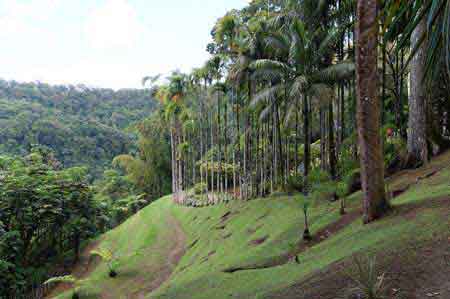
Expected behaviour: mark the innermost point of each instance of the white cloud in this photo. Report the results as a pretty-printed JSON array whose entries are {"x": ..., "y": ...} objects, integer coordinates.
[
  {"x": 20, "y": 17},
  {"x": 113, "y": 25}
]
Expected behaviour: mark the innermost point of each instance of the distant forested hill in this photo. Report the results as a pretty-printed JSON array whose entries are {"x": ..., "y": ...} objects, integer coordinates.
[{"x": 82, "y": 125}]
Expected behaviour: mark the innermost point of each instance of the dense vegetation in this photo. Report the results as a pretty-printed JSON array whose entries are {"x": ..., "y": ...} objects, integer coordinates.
[
  {"x": 45, "y": 212},
  {"x": 316, "y": 99},
  {"x": 82, "y": 125},
  {"x": 297, "y": 90},
  {"x": 55, "y": 141}
]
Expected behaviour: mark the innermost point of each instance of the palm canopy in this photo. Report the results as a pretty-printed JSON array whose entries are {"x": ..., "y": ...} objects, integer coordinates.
[{"x": 298, "y": 73}]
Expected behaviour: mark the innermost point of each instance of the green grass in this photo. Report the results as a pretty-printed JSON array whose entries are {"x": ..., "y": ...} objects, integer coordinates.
[{"x": 219, "y": 245}]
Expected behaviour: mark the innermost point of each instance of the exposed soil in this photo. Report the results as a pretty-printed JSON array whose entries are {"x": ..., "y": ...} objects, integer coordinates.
[
  {"x": 251, "y": 230},
  {"x": 193, "y": 244},
  {"x": 259, "y": 241},
  {"x": 302, "y": 246},
  {"x": 225, "y": 216},
  {"x": 263, "y": 216},
  {"x": 410, "y": 273},
  {"x": 226, "y": 236},
  {"x": 416, "y": 270}
]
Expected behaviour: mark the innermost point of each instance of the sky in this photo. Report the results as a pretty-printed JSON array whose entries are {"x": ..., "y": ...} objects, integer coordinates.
[{"x": 104, "y": 43}]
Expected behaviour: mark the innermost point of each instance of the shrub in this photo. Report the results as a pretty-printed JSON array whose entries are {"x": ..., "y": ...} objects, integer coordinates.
[
  {"x": 369, "y": 283},
  {"x": 353, "y": 181},
  {"x": 111, "y": 261},
  {"x": 70, "y": 279},
  {"x": 294, "y": 183},
  {"x": 200, "y": 188}
]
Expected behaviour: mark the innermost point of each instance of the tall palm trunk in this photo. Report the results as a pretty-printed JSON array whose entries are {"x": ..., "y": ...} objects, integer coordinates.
[
  {"x": 212, "y": 150},
  {"x": 417, "y": 123},
  {"x": 239, "y": 154},
  {"x": 219, "y": 145},
  {"x": 201, "y": 141},
  {"x": 307, "y": 141},
  {"x": 323, "y": 141},
  {"x": 225, "y": 136},
  {"x": 331, "y": 142},
  {"x": 280, "y": 142},
  {"x": 173, "y": 159},
  {"x": 296, "y": 139},
  {"x": 368, "y": 115}
]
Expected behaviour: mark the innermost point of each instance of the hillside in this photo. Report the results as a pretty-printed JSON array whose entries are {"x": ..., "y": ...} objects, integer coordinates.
[
  {"x": 244, "y": 249},
  {"x": 83, "y": 126}
]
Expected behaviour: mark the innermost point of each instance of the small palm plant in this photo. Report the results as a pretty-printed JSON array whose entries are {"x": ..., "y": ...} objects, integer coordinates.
[
  {"x": 109, "y": 258},
  {"x": 305, "y": 204},
  {"x": 369, "y": 283},
  {"x": 69, "y": 279},
  {"x": 341, "y": 190}
]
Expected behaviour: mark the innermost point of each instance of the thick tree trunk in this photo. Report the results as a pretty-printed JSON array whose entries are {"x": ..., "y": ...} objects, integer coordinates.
[
  {"x": 368, "y": 115},
  {"x": 417, "y": 123}
]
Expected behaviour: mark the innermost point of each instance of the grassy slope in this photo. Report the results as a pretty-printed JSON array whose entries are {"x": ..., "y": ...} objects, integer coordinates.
[{"x": 213, "y": 244}]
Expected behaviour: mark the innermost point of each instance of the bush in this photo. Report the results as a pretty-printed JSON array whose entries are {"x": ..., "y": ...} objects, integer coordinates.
[
  {"x": 294, "y": 183},
  {"x": 318, "y": 181},
  {"x": 200, "y": 188},
  {"x": 370, "y": 284},
  {"x": 341, "y": 189},
  {"x": 353, "y": 181}
]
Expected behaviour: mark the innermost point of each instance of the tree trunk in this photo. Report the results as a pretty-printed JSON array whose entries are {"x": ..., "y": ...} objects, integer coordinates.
[
  {"x": 219, "y": 145},
  {"x": 174, "y": 169},
  {"x": 323, "y": 164},
  {"x": 212, "y": 152},
  {"x": 417, "y": 138},
  {"x": 307, "y": 141},
  {"x": 331, "y": 142},
  {"x": 296, "y": 139},
  {"x": 368, "y": 115}
]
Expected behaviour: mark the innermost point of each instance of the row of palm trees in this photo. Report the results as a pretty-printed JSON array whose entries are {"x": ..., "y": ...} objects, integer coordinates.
[{"x": 279, "y": 97}]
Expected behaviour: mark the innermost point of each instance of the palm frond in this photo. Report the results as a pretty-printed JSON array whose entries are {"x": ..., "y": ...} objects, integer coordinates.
[
  {"x": 104, "y": 253},
  {"x": 321, "y": 93},
  {"x": 61, "y": 279},
  {"x": 335, "y": 73},
  {"x": 278, "y": 43},
  {"x": 298, "y": 87},
  {"x": 265, "y": 113},
  {"x": 265, "y": 96},
  {"x": 270, "y": 64}
]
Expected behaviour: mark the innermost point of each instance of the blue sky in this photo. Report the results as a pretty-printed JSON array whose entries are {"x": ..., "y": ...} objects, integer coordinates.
[{"x": 106, "y": 43}]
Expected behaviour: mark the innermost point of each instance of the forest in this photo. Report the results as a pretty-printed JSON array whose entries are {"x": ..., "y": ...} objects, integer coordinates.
[
  {"x": 308, "y": 157},
  {"x": 82, "y": 125}
]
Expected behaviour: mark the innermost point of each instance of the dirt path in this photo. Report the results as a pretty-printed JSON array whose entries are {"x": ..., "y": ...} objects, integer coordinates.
[
  {"x": 174, "y": 255},
  {"x": 81, "y": 270},
  {"x": 163, "y": 271}
]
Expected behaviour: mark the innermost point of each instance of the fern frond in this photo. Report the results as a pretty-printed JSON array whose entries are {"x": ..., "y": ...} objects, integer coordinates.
[
  {"x": 103, "y": 253},
  {"x": 61, "y": 279}
]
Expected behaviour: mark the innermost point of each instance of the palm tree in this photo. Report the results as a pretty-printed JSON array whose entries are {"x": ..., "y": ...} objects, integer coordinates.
[
  {"x": 299, "y": 74},
  {"x": 368, "y": 116}
]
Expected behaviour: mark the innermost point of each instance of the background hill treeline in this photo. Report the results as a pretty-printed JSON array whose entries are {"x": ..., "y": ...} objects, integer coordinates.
[{"x": 81, "y": 125}]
